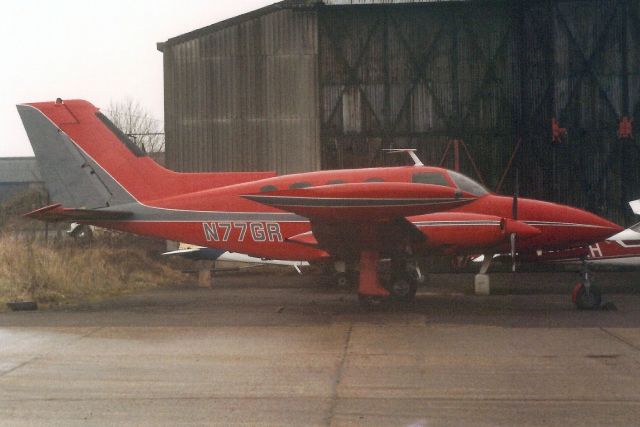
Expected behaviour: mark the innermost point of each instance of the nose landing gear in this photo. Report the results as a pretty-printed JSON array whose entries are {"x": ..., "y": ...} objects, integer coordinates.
[{"x": 585, "y": 295}]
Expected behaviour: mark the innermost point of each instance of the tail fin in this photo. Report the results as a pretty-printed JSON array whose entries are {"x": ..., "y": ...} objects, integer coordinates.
[{"x": 88, "y": 162}]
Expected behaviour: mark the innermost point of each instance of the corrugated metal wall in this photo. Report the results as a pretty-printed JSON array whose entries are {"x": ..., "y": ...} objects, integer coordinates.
[
  {"x": 416, "y": 76},
  {"x": 243, "y": 97},
  {"x": 581, "y": 67},
  {"x": 491, "y": 74},
  {"x": 302, "y": 86}
]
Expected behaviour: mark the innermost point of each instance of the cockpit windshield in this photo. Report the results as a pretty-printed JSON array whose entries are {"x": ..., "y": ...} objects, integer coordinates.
[{"x": 467, "y": 185}]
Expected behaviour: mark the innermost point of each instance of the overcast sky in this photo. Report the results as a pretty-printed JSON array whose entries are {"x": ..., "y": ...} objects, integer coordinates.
[{"x": 98, "y": 51}]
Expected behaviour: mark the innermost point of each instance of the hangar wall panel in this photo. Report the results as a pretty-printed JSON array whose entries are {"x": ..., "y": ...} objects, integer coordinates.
[
  {"x": 243, "y": 97},
  {"x": 491, "y": 74},
  {"x": 305, "y": 84},
  {"x": 417, "y": 76}
]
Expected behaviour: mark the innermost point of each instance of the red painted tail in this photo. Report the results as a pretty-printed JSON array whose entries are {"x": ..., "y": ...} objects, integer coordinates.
[{"x": 100, "y": 144}]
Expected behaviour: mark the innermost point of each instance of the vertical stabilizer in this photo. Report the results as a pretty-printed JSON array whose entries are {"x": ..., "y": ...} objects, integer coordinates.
[{"x": 88, "y": 162}]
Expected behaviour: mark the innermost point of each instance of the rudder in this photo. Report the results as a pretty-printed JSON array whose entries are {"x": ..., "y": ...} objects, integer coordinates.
[{"x": 87, "y": 161}]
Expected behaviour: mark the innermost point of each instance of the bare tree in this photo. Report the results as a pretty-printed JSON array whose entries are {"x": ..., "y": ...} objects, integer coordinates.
[{"x": 137, "y": 123}]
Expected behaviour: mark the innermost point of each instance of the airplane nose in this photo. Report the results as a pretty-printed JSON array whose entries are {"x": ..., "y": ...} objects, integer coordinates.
[
  {"x": 601, "y": 228},
  {"x": 613, "y": 227}
]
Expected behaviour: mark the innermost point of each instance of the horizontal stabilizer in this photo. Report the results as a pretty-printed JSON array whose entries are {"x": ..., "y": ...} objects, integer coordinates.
[
  {"x": 57, "y": 213},
  {"x": 364, "y": 201}
]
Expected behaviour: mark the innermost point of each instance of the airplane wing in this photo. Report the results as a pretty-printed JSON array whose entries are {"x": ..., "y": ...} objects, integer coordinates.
[
  {"x": 364, "y": 201},
  {"x": 57, "y": 213},
  {"x": 202, "y": 253},
  {"x": 348, "y": 218}
]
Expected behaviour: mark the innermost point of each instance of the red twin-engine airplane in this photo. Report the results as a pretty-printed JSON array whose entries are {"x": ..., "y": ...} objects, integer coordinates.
[{"x": 99, "y": 177}]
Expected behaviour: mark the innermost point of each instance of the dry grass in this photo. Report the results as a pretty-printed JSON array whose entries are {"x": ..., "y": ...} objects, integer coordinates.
[{"x": 57, "y": 274}]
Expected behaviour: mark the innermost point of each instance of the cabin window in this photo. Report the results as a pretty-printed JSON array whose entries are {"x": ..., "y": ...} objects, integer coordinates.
[
  {"x": 297, "y": 185},
  {"x": 374, "y": 179},
  {"x": 434, "y": 178},
  {"x": 335, "y": 182},
  {"x": 268, "y": 188},
  {"x": 467, "y": 185}
]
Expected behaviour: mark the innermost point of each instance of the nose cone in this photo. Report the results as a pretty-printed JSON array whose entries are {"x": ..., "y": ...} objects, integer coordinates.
[
  {"x": 606, "y": 228},
  {"x": 589, "y": 228},
  {"x": 564, "y": 226}
]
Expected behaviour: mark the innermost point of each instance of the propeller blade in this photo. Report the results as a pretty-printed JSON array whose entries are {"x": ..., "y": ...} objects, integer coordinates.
[
  {"x": 514, "y": 215},
  {"x": 513, "y": 252},
  {"x": 516, "y": 191}
]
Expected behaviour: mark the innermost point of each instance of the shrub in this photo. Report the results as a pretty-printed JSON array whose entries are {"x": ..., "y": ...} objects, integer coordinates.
[{"x": 68, "y": 272}]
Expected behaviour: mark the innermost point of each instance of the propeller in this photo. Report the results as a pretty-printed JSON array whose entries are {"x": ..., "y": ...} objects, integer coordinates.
[{"x": 514, "y": 216}]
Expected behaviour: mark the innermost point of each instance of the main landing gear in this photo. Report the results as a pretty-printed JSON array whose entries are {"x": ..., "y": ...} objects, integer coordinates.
[
  {"x": 404, "y": 280},
  {"x": 401, "y": 288},
  {"x": 585, "y": 295},
  {"x": 345, "y": 276}
]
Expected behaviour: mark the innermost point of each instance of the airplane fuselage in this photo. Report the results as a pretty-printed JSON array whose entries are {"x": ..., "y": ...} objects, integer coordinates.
[{"x": 223, "y": 218}]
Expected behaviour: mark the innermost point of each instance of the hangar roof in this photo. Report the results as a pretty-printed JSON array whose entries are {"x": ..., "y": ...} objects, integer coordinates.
[
  {"x": 285, "y": 4},
  {"x": 19, "y": 169},
  {"x": 360, "y": 2}
]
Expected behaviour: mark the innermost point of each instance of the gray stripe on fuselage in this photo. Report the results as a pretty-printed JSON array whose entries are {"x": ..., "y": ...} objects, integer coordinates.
[
  {"x": 143, "y": 213},
  {"x": 335, "y": 202},
  {"x": 489, "y": 222},
  {"x": 562, "y": 224},
  {"x": 457, "y": 223}
]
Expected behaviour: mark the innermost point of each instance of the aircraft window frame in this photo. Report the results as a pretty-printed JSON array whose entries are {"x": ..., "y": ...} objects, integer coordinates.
[
  {"x": 299, "y": 185},
  {"x": 466, "y": 184},
  {"x": 268, "y": 188},
  {"x": 444, "y": 182}
]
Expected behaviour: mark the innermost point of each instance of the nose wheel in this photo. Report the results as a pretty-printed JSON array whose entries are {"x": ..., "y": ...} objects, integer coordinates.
[
  {"x": 586, "y": 299},
  {"x": 585, "y": 295}
]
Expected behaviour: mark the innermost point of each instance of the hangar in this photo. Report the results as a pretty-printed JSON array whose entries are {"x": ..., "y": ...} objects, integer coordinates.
[
  {"x": 17, "y": 175},
  {"x": 546, "y": 88}
]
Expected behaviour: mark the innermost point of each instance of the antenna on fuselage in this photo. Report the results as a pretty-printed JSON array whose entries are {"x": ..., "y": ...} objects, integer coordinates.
[{"x": 410, "y": 151}]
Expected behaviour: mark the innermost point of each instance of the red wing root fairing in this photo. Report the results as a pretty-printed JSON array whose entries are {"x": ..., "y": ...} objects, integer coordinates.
[{"x": 359, "y": 215}]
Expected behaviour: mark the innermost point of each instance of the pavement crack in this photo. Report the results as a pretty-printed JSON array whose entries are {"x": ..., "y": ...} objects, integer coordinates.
[
  {"x": 338, "y": 379},
  {"x": 46, "y": 353},
  {"x": 18, "y": 366},
  {"x": 619, "y": 338}
]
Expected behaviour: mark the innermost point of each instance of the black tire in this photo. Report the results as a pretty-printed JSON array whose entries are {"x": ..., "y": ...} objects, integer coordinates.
[
  {"x": 403, "y": 288},
  {"x": 592, "y": 301}
]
